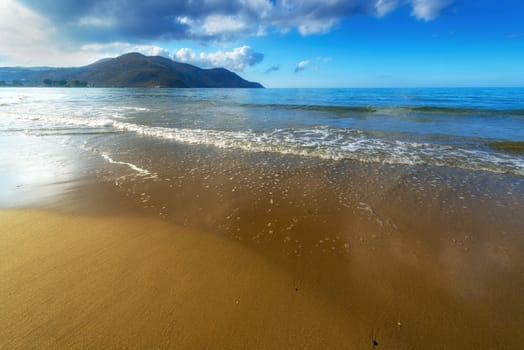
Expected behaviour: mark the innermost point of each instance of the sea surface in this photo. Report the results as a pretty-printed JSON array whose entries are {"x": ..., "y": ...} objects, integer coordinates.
[{"x": 477, "y": 129}]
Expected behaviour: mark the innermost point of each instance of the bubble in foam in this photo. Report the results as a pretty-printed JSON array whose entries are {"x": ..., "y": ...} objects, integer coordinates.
[{"x": 106, "y": 123}]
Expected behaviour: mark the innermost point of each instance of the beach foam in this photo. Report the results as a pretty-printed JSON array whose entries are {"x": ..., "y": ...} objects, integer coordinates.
[
  {"x": 322, "y": 142},
  {"x": 140, "y": 171}
]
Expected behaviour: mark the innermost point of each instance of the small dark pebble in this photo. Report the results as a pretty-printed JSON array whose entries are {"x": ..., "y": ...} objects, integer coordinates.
[{"x": 375, "y": 343}]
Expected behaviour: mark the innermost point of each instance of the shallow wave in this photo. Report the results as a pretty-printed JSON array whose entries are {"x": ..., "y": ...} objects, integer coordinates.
[
  {"x": 337, "y": 144},
  {"x": 8, "y": 100},
  {"x": 441, "y": 110},
  {"x": 321, "y": 142}
]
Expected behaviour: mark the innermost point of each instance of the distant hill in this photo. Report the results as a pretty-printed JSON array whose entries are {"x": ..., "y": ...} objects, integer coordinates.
[{"x": 129, "y": 70}]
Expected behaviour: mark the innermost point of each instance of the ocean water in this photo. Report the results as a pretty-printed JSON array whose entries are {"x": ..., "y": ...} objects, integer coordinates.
[{"x": 479, "y": 129}]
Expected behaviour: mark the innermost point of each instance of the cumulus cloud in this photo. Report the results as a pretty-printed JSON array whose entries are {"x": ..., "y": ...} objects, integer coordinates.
[
  {"x": 27, "y": 38},
  {"x": 428, "y": 9},
  {"x": 220, "y": 24},
  {"x": 53, "y": 30},
  {"x": 383, "y": 7},
  {"x": 204, "y": 20},
  {"x": 237, "y": 59},
  {"x": 301, "y": 66}
]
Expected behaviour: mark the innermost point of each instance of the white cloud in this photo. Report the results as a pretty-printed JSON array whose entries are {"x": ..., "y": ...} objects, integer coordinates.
[
  {"x": 212, "y": 20},
  {"x": 219, "y": 24},
  {"x": 62, "y": 33},
  {"x": 19, "y": 26},
  {"x": 317, "y": 62},
  {"x": 237, "y": 59},
  {"x": 301, "y": 66},
  {"x": 185, "y": 20},
  {"x": 29, "y": 39},
  {"x": 185, "y": 55},
  {"x": 383, "y": 7},
  {"x": 316, "y": 27},
  {"x": 243, "y": 18},
  {"x": 152, "y": 50},
  {"x": 428, "y": 9}
]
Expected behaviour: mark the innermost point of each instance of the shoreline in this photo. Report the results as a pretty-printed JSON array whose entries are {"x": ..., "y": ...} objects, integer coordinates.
[{"x": 226, "y": 249}]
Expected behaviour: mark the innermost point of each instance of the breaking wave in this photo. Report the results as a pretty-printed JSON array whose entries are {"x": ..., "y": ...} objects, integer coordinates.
[{"x": 321, "y": 142}]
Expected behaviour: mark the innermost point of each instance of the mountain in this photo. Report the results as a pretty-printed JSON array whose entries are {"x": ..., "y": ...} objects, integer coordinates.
[{"x": 130, "y": 70}]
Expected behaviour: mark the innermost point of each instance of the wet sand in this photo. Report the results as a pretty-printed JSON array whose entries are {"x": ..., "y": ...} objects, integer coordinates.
[{"x": 234, "y": 250}]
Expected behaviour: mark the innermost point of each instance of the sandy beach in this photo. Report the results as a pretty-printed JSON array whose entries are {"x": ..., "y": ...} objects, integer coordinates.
[
  {"x": 340, "y": 279},
  {"x": 73, "y": 281}
]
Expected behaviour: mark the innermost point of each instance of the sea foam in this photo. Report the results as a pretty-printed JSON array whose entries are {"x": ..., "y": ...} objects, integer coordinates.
[{"x": 315, "y": 141}]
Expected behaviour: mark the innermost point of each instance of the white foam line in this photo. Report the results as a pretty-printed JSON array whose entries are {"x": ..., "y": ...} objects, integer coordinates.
[
  {"x": 139, "y": 170},
  {"x": 322, "y": 143},
  {"x": 355, "y": 147}
]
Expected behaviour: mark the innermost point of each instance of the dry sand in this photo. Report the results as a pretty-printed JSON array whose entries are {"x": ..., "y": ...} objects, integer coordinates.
[
  {"x": 71, "y": 281},
  {"x": 86, "y": 282}
]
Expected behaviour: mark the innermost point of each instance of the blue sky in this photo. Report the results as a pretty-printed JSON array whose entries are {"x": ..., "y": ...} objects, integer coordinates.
[{"x": 288, "y": 43}]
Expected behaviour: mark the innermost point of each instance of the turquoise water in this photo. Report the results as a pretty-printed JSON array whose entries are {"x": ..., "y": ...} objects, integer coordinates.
[{"x": 457, "y": 128}]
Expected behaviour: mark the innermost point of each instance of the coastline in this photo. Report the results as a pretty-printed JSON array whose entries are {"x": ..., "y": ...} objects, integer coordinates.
[{"x": 237, "y": 250}]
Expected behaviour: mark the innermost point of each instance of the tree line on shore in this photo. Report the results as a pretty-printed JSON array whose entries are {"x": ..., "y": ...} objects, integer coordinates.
[
  {"x": 48, "y": 82},
  {"x": 65, "y": 83}
]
